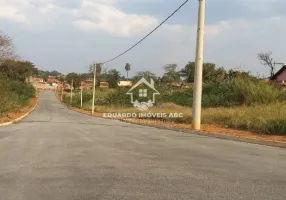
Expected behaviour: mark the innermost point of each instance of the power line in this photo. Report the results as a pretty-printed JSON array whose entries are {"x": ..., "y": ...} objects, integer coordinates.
[{"x": 147, "y": 34}]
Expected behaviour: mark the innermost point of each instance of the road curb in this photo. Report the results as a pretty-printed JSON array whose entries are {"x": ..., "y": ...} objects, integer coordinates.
[
  {"x": 219, "y": 136},
  {"x": 22, "y": 117}
]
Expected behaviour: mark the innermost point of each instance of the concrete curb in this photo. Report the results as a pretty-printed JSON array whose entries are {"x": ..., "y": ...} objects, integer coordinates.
[
  {"x": 20, "y": 118},
  {"x": 219, "y": 136}
]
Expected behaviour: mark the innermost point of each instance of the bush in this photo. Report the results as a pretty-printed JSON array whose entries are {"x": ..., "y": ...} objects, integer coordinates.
[
  {"x": 182, "y": 97},
  {"x": 14, "y": 94},
  {"x": 252, "y": 92},
  {"x": 118, "y": 98},
  {"x": 240, "y": 91},
  {"x": 8, "y": 100},
  {"x": 101, "y": 97},
  {"x": 24, "y": 91}
]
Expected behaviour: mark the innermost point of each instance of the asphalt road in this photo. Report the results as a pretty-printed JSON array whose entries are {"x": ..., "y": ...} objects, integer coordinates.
[{"x": 59, "y": 154}]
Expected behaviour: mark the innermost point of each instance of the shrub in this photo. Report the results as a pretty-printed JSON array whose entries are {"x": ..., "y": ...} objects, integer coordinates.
[
  {"x": 118, "y": 98},
  {"x": 14, "y": 94},
  {"x": 240, "y": 91},
  {"x": 24, "y": 91},
  {"x": 252, "y": 92},
  {"x": 9, "y": 99}
]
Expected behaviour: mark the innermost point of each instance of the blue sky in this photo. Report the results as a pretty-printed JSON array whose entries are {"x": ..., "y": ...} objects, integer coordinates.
[{"x": 68, "y": 35}]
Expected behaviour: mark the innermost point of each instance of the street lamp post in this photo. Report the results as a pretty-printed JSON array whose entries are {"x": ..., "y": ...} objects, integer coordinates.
[
  {"x": 71, "y": 92},
  {"x": 81, "y": 96},
  {"x": 197, "y": 100},
  {"x": 62, "y": 94},
  {"x": 94, "y": 84}
]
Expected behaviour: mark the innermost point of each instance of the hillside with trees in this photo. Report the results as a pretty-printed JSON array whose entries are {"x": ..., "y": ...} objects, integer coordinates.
[{"x": 15, "y": 90}]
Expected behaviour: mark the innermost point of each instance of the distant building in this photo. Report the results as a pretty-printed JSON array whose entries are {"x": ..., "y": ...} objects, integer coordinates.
[
  {"x": 180, "y": 84},
  {"x": 104, "y": 84},
  {"x": 87, "y": 84},
  {"x": 34, "y": 80},
  {"x": 280, "y": 76},
  {"x": 53, "y": 81},
  {"x": 125, "y": 83},
  {"x": 55, "y": 84},
  {"x": 38, "y": 80}
]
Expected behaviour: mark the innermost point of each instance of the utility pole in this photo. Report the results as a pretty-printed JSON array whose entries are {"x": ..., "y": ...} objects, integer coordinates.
[
  {"x": 81, "y": 96},
  {"x": 62, "y": 92},
  {"x": 94, "y": 84},
  {"x": 197, "y": 102},
  {"x": 277, "y": 63},
  {"x": 71, "y": 92}
]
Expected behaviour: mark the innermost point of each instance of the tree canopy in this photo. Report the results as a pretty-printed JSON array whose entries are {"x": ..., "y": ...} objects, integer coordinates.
[
  {"x": 98, "y": 72},
  {"x": 146, "y": 74},
  {"x": 18, "y": 70},
  {"x": 7, "y": 51},
  {"x": 210, "y": 72},
  {"x": 127, "y": 68},
  {"x": 170, "y": 75},
  {"x": 45, "y": 74},
  {"x": 113, "y": 78},
  {"x": 267, "y": 60},
  {"x": 75, "y": 78}
]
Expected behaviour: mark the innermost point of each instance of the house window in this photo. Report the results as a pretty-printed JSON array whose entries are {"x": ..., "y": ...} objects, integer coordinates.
[{"x": 142, "y": 92}]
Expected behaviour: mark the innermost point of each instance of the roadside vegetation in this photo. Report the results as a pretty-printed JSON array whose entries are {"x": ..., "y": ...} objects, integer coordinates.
[
  {"x": 233, "y": 99},
  {"x": 15, "y": 90}
]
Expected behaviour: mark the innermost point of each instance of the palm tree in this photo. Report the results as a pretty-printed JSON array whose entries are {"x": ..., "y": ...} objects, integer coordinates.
[{"x": 127, "y": 68}]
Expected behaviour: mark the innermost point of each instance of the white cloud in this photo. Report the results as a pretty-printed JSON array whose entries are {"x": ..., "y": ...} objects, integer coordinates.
[
  {"x": 263, "y": 6},
  {"x": 103, "y": 15},
  {"x": 230, "y": 43},
  {"x": 11, "y": 13},
  {"x": 31, "y": 13},
  {"x": 89, "y": 15}
]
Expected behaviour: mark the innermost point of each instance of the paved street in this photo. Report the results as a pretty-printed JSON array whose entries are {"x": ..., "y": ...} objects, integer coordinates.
[{"x": 59, "y": 154}]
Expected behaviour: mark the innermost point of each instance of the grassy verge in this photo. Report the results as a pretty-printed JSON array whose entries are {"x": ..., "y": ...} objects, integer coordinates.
[
  {"x": 265, "y": 119},
  {"x": 241, "y": 103},
  {"x": 10, "y": 116}
]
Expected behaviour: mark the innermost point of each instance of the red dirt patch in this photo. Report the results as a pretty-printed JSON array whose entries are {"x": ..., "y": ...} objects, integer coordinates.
[{"x": 213, "y": 129}]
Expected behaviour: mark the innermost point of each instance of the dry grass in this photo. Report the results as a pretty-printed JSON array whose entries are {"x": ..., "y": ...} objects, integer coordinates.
[
  {"x": 14, "y": 115},
  {"x": 265, "y": 119}
]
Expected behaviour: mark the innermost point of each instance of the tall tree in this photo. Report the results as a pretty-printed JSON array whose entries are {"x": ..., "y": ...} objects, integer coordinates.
[
  {"x": 98, "y": 72},
  {"x": 7, "y": 51},
  {"x": 170, "y": 75},
  {"x": 55, "y": 73},
  {"x": 85, "y": 76},
  {"x": 113, "y": 78},
  {"x": 18, "y": 70},
  {"x": 146, "y": 74},
  {"x": 75, "y": 78},
  {"x": 104, "y": 74},
  {"x": 127, "y": 68},
  {"x": 210, "y": 72},
  {"x": 267, "y": 60}
]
